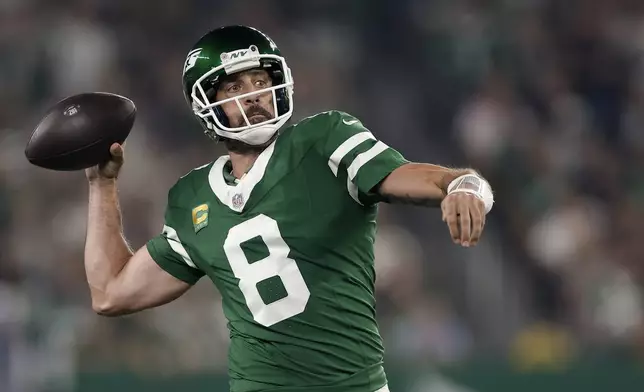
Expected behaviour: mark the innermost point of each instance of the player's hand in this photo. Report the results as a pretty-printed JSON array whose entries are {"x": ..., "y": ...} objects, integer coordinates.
[
  {"x": 109, "y": 169},
  {"x": 464, "y": 214}
]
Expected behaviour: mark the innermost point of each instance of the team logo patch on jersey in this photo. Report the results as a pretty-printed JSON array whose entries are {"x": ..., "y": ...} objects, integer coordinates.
[{"x": 200, "y": 217}]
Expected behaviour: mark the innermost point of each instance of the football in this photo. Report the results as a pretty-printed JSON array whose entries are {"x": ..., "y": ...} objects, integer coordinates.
[{"x": 77, "y": 132}]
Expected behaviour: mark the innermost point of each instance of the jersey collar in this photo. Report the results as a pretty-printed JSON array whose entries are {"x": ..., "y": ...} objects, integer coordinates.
[
  {"x": 229, "y": 177},
  {"x": 235, "y": 194}
]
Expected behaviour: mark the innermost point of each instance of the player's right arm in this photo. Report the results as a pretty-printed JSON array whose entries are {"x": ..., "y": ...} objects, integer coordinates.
[{"x": 120, "y": 281}]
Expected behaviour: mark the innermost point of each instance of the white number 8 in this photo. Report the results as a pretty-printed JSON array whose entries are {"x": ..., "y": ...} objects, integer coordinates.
[{"x": 276, "y": 263}]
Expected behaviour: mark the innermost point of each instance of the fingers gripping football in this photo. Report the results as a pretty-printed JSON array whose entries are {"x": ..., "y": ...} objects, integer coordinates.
[
  {"x": 464, "y": 214},
  {"x": 109, "y": 169}
]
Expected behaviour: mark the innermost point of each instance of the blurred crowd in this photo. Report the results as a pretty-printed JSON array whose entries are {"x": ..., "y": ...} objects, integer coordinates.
[{"x": 545, "y": 98}]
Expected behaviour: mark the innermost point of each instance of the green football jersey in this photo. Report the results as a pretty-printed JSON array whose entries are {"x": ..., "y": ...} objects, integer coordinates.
[{"x": 290, "y": 247}]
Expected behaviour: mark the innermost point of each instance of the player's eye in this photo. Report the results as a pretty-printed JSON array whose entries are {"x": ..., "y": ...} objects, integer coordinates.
[
  {"x": 233, "y": 88},
  {"x": 260, "y": 83}
]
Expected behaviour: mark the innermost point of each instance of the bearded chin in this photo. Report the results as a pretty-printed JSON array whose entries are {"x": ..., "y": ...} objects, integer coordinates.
[{"x": 257, "y": 119}]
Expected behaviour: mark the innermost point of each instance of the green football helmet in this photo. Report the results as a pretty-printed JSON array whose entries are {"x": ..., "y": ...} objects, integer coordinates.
[{"x": 225, "y": 51}]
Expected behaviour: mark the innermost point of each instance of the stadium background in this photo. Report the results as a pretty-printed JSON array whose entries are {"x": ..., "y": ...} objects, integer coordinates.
[{"x": 544, "y": 97}]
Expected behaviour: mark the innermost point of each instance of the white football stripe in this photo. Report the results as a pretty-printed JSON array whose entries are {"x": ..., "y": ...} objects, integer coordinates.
[
  {"x": 365, "y": 157},
  {"x": 345, "y": 148},
  {"x": 357, "y": 163},
  {"x": 175, "y": 244},
  {"x": 353, "y": 191}
]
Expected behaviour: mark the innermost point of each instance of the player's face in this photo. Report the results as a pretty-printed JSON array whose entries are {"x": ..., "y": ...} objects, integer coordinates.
[{"x": 258, "y": 107}]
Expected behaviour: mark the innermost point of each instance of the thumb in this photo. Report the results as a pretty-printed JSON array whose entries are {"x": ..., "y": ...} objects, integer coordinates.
[{"x": 116, "y": 150}]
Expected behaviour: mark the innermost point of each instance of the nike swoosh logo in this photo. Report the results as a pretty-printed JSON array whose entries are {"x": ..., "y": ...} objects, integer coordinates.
[{"x": 350, "y": 122}]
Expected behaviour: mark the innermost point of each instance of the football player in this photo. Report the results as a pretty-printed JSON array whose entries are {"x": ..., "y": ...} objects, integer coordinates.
[{"x": 284, "y": 225}]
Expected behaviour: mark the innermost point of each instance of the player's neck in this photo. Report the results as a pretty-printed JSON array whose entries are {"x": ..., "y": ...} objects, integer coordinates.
[
  {"x": 242, "y": 162},
  {"x": 243, "y": 156}
]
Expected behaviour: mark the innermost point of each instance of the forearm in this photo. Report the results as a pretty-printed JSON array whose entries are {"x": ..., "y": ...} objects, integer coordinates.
[
  {"x": 421, "y": 184},
  {"x": 106, "y": 251}
]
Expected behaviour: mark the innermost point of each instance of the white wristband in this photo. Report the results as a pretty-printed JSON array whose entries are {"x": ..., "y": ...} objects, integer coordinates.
[{"x": 475, "y": 185}]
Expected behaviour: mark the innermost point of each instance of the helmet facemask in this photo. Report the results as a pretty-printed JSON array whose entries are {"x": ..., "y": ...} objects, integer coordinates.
[{"x": 211, "y": 113}]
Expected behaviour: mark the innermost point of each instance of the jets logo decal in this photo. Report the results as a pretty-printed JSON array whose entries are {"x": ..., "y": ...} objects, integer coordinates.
[{"x": 191, "y": 60}]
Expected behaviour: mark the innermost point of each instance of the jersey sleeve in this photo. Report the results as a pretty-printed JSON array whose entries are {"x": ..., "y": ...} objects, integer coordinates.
[
  {"x": 168, "y": 251},
  {"x": 355, "y": 156}
]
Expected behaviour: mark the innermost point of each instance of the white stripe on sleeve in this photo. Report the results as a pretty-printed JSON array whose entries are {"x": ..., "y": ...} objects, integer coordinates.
[
  {"x": 175, "y": 244},
  {"x": 345, "y": 148},
  {"x": 357, "y": 163}
]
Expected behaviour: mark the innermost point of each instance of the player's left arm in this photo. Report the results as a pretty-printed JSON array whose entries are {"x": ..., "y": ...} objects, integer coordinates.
[
  {"x": 374, "y": 172},
  {"x": 464, "y": 196}
]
